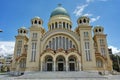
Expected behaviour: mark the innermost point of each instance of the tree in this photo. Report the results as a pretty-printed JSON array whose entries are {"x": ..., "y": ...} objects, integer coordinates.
[{"x": 116, "y": 62}]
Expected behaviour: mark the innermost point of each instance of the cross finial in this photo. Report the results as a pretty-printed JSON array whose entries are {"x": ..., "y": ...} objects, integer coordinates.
[{"x": 59, "y": 4}]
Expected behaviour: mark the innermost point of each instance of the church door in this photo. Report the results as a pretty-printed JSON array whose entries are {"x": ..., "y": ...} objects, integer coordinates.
[
  {"x": 49, "y": 66},
  {"x": 72, "y": 66},
  {"x": 60, "y": 67}
]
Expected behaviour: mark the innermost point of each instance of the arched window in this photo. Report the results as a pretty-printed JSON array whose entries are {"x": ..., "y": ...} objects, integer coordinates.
[
  {"x": 49, "y": 59},
  {"x": 70, "y": 44},
  {"x": 20, "y": 31},
  {"x": 96, "y": 30},
  {"x": 67, "y": 25},
  {"x": 52, "y": 25},
  {"x": 66, "y": 43},
  {"x": 56, "y": 42},
  {"x": 35, "y": 22},
  {"x": 70, "y": 26},
  {"x": 39, "y": 22},
  {"x": 55, "y": 24},
  {"x": 60, "y": 42},
  {"x": 63, "y": 24},
  {"x": 24, "y": 31},
  {"x": 71, "y": 59},
  {"x": 80, "y": 21},
  {"x": 99, "y": 30},
  {"x": 84, "y": 20},
  {"x": 60, "y": 24},
  {"x": 60, "y": 59},
  {"x": 63, "y": 42},
  {"x": 53, "y": 42}
]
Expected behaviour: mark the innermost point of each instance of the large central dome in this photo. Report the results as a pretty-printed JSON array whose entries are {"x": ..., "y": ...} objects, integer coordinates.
[{"x": 59, "y": 11}]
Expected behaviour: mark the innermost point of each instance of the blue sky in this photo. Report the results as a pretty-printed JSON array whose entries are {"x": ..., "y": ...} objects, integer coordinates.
[{"x": 17, "y": 13}]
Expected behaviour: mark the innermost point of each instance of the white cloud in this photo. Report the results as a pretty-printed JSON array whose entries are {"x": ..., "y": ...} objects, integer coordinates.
[
  {"x": 95, "y": 19},
  {"x": 79, "y": 10},
  {"x": 88, "y": 1},
  {"x": 6, "y": 47},
  {"x": 114, "y": 49},
  {"x": 87, "y": 14}
]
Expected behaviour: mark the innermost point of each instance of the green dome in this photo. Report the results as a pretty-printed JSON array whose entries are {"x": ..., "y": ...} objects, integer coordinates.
[{"x": 59, "y": 11}]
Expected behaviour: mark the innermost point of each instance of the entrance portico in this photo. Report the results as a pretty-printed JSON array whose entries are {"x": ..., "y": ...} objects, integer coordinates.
[{"x": 50, "y": 62}]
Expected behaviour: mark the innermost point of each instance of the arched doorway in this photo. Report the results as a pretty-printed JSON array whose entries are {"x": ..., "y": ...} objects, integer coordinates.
[
  {"x": 72, "y": 63},
  {"x": 49, "y": 63},
  {"x": 60, "y": 63}
]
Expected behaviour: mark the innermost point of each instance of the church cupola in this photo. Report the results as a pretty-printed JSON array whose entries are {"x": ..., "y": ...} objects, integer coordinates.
[
  {"x": 22, "y": 31},
  {"x": 59, "y": 19},
  {"x": 84, "y": 20},
  {"x": 98, "y": 30},
  {"x": 37, "y": 21}
]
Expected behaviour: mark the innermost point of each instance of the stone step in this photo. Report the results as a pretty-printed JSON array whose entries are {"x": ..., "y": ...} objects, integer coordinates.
[{"x": 80, "y": 75}]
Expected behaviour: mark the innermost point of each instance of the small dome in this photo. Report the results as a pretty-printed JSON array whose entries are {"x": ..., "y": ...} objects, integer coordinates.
[
  {"x": 59, "y": 11},
  {"x": 83, "y": 17},
  {"x": 23, "y": 27}
]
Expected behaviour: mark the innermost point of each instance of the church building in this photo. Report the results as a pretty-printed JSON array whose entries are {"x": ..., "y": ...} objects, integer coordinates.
[{"x": 61, "y": 48}]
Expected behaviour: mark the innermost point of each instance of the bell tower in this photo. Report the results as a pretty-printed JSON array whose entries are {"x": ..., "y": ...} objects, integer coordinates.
[
  {"x": 21, "y": 41},
  {"x": 34, "y": 45},
  {"x": 86, "y": 43},
  {"x": 101, "y": 46}
]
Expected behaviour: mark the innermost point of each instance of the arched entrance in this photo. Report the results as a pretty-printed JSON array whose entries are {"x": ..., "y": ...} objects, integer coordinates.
[
  {"x": 49, "y": 63},
  {"x": 72, "y": 63},
  {"x": 60, "y": 63}
]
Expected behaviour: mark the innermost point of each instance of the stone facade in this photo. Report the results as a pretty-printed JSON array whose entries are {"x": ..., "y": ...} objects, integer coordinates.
[{"x": 60, "y": 48}]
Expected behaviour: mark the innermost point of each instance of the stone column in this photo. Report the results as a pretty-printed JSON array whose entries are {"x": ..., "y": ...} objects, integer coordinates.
[
  {"x": 54, "y": 65},
  {"x": 79, "y": 64},
  {"x": 66, "y": 65},
  {"x": 41, "y": 66}
]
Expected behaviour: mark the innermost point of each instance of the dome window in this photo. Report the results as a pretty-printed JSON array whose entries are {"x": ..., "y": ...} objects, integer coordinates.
[
  {"x": 55, "y": 24},
  {"x": 96, "y": 30},
  {"x": 80, "y": 21},
  {"x": 20, "y": 31},
  {"x": 35, "y": 21},
  {"x": 39, "y": 22},
  {"x": 99, "y": 30},
  {"x": 70, "y": 26},
  {"x": 67, "y": 25},
  {"x": 52, "y": 26},
  {"x": 24, "y": 31},
  {"x": 84, "y": 20},
  {"x": 60, "y": 25},
  {"x": 63, "y": 24}
]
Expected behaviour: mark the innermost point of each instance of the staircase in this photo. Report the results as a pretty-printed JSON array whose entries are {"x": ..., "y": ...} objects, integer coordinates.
[{"x": 80, "y": 75}]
